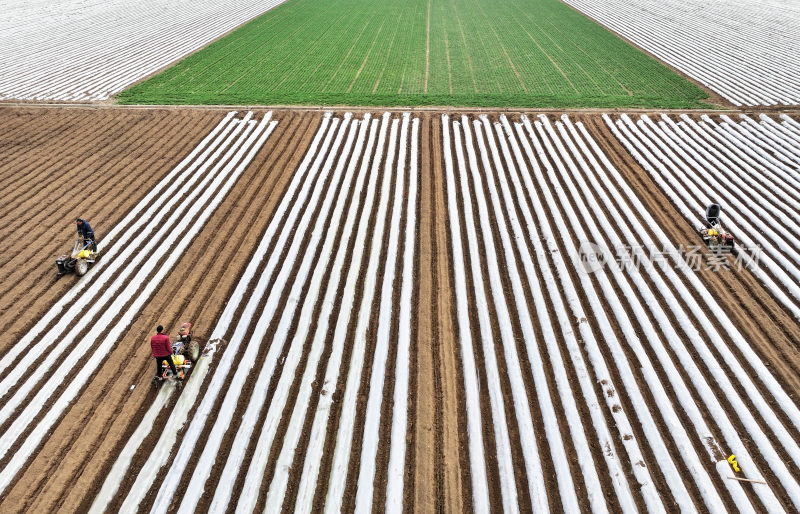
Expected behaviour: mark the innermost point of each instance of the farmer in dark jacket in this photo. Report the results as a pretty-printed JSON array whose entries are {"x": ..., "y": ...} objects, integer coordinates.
[
  {"x": 85, "y": 231},
  {"x": 162, "y": 350}
]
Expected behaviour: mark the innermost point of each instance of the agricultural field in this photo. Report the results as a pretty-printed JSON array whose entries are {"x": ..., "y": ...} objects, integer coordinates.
[
  {"x": 494, "y": 297},
  {"x": 422, "y": 52},
  {"x": 186, "y": 169},
  {"x": 89, "y": 50},
  {"x": 750, "y": 166},
  {"x": 618, "y": 370},
  {"x": 399, "y": 311},
  {"x": 746, "y": 51}
]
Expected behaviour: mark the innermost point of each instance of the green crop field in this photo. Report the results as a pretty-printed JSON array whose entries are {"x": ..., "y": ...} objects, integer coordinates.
[{"x": 521, "y": 53}]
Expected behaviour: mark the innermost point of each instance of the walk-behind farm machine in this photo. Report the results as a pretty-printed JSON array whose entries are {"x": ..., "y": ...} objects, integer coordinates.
[
  {"x": 714, "y": 236},
  {"x": 82, "y": 257},
  {"x": 185, "y": 353}
]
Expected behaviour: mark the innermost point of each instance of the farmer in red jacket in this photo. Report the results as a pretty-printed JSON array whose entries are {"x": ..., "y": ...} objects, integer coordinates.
[{"x": 162, "y": 349}]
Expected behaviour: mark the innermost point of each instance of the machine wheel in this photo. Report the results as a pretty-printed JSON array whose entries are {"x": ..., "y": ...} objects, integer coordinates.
[
  {"x": 193, "y": 351},
  {"x": 81, "y": 267}
]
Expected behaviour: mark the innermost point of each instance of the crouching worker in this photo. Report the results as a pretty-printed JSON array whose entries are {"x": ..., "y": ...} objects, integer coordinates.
[{"x": 162, "y": 350}]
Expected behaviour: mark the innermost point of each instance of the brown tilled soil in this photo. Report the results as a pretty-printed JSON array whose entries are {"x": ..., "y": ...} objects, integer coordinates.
[
  {"x": 70, "y": 464},
  {"x": 440, "y": 460},
  {"x": 56, "y": 164}
]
